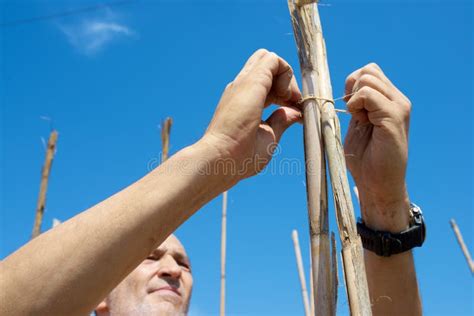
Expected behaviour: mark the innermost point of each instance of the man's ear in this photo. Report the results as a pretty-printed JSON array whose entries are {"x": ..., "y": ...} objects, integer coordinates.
[{"x": 102, "y": 309}]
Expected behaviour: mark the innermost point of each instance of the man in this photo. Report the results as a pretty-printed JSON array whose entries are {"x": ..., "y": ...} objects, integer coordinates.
[
  {"x": 160, "y": 285},
  {"x": 70, "y": 269}
]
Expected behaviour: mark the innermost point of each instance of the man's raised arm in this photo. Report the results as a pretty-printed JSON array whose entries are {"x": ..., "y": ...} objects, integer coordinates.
[
  {"x": 376, "y": 148},
  {"x": 71, "y": 268}
]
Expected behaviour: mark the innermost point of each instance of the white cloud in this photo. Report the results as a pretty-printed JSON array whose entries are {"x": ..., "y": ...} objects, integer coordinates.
[{"x": 93, "y": 36}]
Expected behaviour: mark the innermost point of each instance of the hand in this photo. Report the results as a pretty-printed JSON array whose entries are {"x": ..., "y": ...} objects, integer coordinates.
[
  {"x": 376, "y": 147},
  {"x": 237, "y": 129}
]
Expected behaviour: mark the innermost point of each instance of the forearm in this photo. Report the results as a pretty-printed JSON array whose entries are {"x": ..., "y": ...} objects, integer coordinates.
[
  {"x": 392, "y": 284},
  {"x": 392, "y": 280},
  {"x": 69, "y": 269}
]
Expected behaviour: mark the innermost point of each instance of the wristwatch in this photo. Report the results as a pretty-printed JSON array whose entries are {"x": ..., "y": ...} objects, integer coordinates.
[{"x": 386, "y": 244}]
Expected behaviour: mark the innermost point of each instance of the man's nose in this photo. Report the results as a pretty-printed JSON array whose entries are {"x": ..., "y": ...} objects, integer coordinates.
[{"x": 169, "y": 268}]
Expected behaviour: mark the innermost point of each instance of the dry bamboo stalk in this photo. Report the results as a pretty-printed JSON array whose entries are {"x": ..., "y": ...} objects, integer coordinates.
[
  {"x": 299, "y": 263},
  {"x": 334, "y": 277},
  {"x": 165, "y": 138},
  {"x": 223, "y": 251},
  {"x": 50, "y": 151},
  {"x": 464, "y": 249},
  {"x": 316, "y": 184},
  {"x": 313, "y": 59},
  {"x": 311, "y": 283}
]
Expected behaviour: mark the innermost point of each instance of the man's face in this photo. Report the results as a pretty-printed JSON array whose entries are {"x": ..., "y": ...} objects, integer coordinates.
[{"x": 160, "y": 285}]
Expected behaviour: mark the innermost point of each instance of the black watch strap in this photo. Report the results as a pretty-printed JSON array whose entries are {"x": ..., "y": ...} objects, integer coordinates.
[{"x": 386, "y": 244}]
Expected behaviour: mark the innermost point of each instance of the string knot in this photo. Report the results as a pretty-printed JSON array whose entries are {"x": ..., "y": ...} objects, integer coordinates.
[{"x": 322, "y": 101}]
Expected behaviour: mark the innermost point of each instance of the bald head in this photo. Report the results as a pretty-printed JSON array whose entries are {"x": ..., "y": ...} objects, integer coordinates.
[{"x": 160, "y": 285}]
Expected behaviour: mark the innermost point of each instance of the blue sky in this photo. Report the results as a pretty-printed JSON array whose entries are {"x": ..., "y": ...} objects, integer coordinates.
[{"x": 108, "y": 77}]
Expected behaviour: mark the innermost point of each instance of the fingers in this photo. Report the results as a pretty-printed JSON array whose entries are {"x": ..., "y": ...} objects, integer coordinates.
[
  {"x": 372, "y": 75},
  {"x": 370, "y": 69},
  {"x": 375, "y": 98},
  {"x": 267, "y": 70},
  {"x": 282, "y": 118},
  {"x": 284, "y": 93},
  {"x": 368, "y": 99},
  {"x": 282, "y": 89},
  {"x": 256, "y": 56},
  {"x": 369, "y": 80},
  {"x": 370, "y": 104}
]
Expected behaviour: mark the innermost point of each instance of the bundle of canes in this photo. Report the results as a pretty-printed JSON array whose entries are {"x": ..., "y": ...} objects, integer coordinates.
[{"x": 322, "y": 139}]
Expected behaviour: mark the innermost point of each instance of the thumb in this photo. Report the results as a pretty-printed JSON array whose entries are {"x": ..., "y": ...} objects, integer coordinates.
[{"x": 282, "y": 118}]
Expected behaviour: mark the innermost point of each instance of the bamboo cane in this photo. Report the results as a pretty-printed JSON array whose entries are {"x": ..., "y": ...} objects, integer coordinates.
[
  {"x": 223, "y": 251},
  {"x": 316, "y": 186},
  {"x": 50, "y": 151},
  {"x": 311, "y": 283},
  {"x": 464, "y": 249},
  {"x": 313, "y": 60},
  {"x": 299, "y": 263},
  {"x": 165, "y": 138},
  {"x": 334, "y": 277}
]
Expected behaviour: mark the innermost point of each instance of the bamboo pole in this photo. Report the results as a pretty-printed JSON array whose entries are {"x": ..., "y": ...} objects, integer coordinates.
[
  {"x": 313, "y": 61},
  {"x": 464, "y": 249},
  {"x": 334, "y": 277},
  {"x": 316, "y": 187},
  {"x": 299, "y": 263},
  {"x": 165, "y": 138},
  {"x": 311, "y": 283},
  {"x": 50, "y": 151},
  {"x": 223, "y": 251}
]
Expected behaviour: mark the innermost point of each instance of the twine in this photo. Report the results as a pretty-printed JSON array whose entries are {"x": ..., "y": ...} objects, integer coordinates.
[{"x": 324, "y": 101}]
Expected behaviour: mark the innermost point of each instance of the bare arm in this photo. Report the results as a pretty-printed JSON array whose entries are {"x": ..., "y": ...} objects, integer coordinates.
[
  {"x": 376, "y": 153},
  {"x": 71, "y": 268},
  {"x": 392, "y": 280}
]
